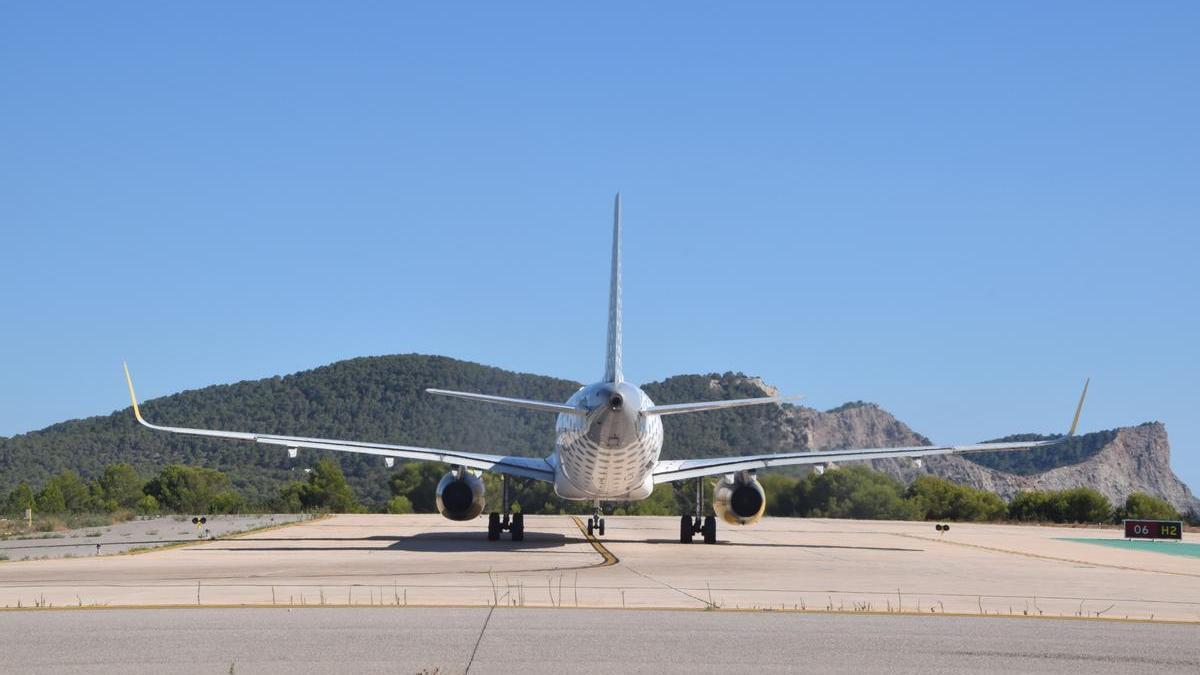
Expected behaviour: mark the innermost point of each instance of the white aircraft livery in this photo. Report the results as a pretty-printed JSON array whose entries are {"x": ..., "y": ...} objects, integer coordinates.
[{"x": 608, "y": 444}]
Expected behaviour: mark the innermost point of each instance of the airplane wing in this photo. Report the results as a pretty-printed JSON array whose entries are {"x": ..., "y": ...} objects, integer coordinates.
[
  {"x": 524, "y": 467},
  {"x": 674, "y": 470}
]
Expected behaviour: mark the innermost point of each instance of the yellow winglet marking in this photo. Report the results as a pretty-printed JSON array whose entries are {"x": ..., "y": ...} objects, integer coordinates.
[
  {"x": 132, "y": 396},
  {"x": 1079, "y": 408}
]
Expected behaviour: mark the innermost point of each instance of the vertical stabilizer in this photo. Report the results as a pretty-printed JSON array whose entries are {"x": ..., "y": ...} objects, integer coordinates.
[{"x": 612, "y": 358}]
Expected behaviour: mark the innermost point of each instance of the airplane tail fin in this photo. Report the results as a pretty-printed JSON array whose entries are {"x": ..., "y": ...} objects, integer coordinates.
[{"x": 612, "y": 359}]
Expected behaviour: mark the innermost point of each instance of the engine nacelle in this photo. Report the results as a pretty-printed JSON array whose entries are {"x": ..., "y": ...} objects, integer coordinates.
[
  {"x": 739, "y": 499},
  {"x": 460, "y": 495}
]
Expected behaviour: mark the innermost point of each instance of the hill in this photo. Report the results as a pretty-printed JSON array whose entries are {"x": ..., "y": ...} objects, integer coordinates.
[{"x": 382, "y": 399}]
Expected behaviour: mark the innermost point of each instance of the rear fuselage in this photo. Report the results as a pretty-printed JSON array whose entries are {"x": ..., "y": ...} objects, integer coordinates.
[{"x": 610, "y": 452}]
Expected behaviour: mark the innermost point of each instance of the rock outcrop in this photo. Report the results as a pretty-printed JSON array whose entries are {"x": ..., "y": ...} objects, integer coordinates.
[{"x": 1117, "y": 462}]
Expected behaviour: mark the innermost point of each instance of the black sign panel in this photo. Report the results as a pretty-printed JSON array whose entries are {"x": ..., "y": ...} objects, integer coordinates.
[{"x": 1153, "y": 529}]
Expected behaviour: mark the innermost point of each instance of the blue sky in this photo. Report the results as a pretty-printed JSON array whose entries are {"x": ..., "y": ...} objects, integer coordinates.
[{"x": 957, "y": 212}]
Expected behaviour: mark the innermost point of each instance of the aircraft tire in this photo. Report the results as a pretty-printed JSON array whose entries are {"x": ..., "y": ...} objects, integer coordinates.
[
  {"x": 710, "y": 530},
  {"x": 493, "y": 527},
  {"x": 685, "y": 529}
]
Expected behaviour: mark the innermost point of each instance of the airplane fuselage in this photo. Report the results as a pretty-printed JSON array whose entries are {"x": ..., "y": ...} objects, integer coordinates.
[{"x": 610, "y": 452}]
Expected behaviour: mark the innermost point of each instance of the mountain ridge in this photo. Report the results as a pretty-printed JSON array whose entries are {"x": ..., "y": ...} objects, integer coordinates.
[{"x": 382, "y": 399}]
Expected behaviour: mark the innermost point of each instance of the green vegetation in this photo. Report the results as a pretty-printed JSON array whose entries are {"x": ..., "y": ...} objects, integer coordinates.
[
  {"x": 939, "y": 499},
  {"x": 377, "y": 399},
  {"x": 850, "y": 492},
  {"x": 1076, "y": 505},
  {"x": 326, "y": 490},
  {"x": 110, "y": 465},
  {"x": 1026, "y": 463},
  {"x": 1148, "y": 507}
]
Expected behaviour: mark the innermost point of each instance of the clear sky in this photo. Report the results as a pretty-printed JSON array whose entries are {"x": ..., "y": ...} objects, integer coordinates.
[{"x": 956, "y": 211}]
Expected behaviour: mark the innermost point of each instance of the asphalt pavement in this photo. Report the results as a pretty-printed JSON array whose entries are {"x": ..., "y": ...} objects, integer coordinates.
[{"x": 509, "y": 640}]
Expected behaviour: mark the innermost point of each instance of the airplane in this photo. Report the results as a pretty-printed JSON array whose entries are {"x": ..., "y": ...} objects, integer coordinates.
[{"x": 608, "y": 446}]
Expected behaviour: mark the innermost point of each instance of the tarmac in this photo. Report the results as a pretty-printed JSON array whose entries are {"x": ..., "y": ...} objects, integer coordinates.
[
  {"x": 132, "y": 535},
  {"x": 552, "y": 641},
  {"x": 800, "y": 566}
]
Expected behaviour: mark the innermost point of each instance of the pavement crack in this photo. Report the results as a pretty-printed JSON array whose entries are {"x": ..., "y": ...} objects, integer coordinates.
[
  {"x": 664, "y": 584},
  {"x": 480, "y": 638}
]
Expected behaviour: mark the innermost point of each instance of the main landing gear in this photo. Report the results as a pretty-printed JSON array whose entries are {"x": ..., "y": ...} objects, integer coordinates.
[
  {"x": 693, "y": 525},
  {"x": 513, "y": 522},
  {"x": 595, "y": 526}
]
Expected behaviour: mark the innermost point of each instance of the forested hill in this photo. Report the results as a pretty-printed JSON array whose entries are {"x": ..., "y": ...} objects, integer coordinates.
[
  {"x": 377, "y": 399},
  {"x": 383, "y": 399},
  {"x": 372, "y": 398}
]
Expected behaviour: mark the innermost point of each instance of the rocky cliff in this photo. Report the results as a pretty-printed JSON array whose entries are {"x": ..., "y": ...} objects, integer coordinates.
[{"x": 1115, "y": 462}]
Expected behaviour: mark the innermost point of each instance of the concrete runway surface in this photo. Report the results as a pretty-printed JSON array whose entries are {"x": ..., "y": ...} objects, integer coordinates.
[
  {"x": 132, "y": 534},
  {"x": 513, "y": 640},
  {"x": 780, "y": 564}
]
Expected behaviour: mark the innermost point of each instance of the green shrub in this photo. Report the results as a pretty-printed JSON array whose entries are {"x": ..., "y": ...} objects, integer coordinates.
[
  {"x": 1142, "y": 505},
  {"x": 147, "y": 505},
  {"x": 853, "y": 492},
  {"x": 399, "y": 504},
  {"x": 940, "y": 499}
]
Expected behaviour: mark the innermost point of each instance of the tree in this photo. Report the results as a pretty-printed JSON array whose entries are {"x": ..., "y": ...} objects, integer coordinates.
[
  {"x": 226, "y": 501},
  {"x": 940, "y": 499},
  {"x": 147, "y": 505},
  {"x": 187, "y": 489},
  {"x": 1085, "y": 505},
  {"x": 19, "y": 499},
  {"x": 1142, "y": 505},
  {"x": 1030, "y": 506},
  {"x": 118, "y": 487},
  {"x": 399, "y": 504},
  {"x": 50, "y": 500},
  {"x": 852, "y": 492},
  {"x": 418, "y": 482},
  {"x": 327, "y": 489},
  {"x": 76, "y": 497},
  {"x": 781, "y": 493},
  {"x": 290, "y": 497}
]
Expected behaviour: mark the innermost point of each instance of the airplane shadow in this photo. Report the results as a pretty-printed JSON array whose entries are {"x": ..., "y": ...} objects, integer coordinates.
[
  {"x": 426, "y": 542},
  {"x": 470, "y": 543},
  {"x": 698, "y": 540}
]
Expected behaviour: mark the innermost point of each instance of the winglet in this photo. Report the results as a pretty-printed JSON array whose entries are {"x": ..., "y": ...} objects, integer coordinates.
[
  {"x": 132, "y": 396},
  {"x": 1079, "y": 408}
]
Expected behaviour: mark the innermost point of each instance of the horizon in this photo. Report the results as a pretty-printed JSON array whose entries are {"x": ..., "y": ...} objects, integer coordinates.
[
  {"x": 958, "y": 213},
  {"x": 719, "y": 374}
]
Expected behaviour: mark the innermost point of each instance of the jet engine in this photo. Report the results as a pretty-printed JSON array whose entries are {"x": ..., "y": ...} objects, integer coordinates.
[
  {"x": 460, "y": 495},
  {"x": 739, "y": 499}
]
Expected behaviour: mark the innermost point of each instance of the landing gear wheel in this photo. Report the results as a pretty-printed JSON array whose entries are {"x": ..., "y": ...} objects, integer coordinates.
[
  {"x": 710, "y": 530},
  {"x": 600, "y": 529},
  {"x": 493, "y": 527},
  {"x": 685, "y": 529},
  {"x": 591, "y": 526},
  {"x": 518, "y": 527}
]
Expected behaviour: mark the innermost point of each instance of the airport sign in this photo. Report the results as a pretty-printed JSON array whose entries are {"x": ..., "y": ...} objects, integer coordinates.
[{"x": 1153, "y": 529}]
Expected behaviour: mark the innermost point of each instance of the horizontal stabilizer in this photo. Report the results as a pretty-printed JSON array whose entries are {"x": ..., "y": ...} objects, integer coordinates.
[
  {"x": 543, "y": 406},
  {"x": 678, "y": 408}
]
